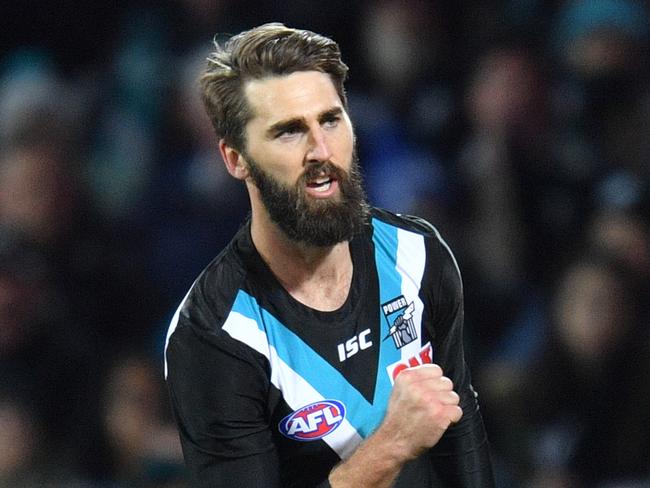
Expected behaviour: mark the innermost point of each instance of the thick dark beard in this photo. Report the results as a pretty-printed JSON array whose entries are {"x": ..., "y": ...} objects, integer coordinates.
[{"x": 306, "y": 220}]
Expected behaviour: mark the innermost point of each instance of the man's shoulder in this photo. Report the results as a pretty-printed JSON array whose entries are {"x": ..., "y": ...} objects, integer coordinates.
[
  {"x": 209, "y": 299},
  {"x": 434, "y": 243},
  {"x": 229, "y": 264},
  {"x": 411, "y": 223}
]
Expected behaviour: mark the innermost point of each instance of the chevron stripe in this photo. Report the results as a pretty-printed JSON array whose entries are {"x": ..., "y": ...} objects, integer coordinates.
[{"x": 300, "y": 373}]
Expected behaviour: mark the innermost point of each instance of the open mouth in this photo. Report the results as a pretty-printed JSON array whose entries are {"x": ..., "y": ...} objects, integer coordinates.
[{"x": 321, "y": 184}]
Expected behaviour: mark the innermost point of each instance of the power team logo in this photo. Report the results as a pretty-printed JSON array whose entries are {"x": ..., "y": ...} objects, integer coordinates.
[
  {"x": 313, "y": 421},
  {"x": 399, "y": 314}
]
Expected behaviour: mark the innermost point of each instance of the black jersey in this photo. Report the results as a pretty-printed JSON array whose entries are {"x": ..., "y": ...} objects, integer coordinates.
[{"x": 268, "y": 392}]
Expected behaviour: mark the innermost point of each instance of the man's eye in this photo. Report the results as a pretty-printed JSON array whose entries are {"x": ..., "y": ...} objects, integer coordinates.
[
  {"x": 331, "y": 121},
  {"x": 288, "y": 132}
]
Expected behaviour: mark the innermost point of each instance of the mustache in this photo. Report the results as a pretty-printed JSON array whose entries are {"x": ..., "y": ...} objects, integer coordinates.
[{"x": 327, "y": 168}]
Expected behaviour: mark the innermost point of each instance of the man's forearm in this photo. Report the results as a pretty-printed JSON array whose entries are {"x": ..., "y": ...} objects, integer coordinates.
[
  {"x": 421, "y": 408},
  {"x": 375, "y": 464}
]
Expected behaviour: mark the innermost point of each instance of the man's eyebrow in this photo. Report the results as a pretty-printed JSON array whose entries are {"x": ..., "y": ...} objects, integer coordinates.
[
  {"x": 296, "y": 123},
  {"x": 332, "y": 112},
  {"x": 288, "y": 124}
]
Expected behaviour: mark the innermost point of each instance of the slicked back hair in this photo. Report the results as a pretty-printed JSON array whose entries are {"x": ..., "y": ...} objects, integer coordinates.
[{"x": 265, "y": 51}]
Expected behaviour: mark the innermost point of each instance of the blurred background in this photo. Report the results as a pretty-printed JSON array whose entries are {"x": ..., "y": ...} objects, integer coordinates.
[{"x": 520, "y": 128}]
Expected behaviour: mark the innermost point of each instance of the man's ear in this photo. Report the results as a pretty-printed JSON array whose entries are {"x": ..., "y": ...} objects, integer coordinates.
[{"x": 235, "y": 163}]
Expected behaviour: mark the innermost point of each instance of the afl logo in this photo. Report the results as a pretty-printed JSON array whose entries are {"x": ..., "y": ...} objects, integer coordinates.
[{"x": 313, "y": 421}]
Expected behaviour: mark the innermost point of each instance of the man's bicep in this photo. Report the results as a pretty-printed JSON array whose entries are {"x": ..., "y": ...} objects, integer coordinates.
[
  {"x": 461, "y": 458},
  {"x": 218, "y": 393}
]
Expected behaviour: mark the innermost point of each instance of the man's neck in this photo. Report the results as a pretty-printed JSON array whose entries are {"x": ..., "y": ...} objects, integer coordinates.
[{"x": 319, "y": 277}]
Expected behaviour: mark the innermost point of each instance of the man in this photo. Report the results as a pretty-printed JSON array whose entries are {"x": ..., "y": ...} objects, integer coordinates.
[{"x": 302, "y": 355}]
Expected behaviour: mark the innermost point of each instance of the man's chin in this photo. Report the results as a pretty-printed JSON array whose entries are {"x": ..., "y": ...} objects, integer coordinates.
[{"x": 323, "y": 207}]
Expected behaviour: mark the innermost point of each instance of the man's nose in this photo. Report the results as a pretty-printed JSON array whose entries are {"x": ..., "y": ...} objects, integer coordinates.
[{"x": 319, "y": 148}]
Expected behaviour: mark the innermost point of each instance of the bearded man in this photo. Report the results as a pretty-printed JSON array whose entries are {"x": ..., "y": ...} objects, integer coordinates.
[{"x": 303, "y": 355}]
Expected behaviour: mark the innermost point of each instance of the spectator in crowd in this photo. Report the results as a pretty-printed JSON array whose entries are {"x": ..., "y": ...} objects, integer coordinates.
[
  {"x": 141, "y": 447},
  {"x": 506, "y": 214},
  {"x": 19, "y": 446},
  {"x": 42, "y": 201},
  {"x": 623, "y": 233},
  {"x": 578, "y": 414},
  {"x": 45, "y": 200},
  {"x": 403, "y": 107},
  {"x": 44, "y": 361},
  {"x": 600, "y": 98}
]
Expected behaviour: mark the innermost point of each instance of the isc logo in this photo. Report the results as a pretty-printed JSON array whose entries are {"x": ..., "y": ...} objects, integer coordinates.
[
  {"x": 354, "y": 345},
  {"x": 313, "y": 421},
  {"x": 425, "y": 356}
]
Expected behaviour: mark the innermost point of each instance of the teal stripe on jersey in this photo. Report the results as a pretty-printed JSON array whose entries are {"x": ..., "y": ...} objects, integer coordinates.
[
  {"x": 390, "y": 287},
  {"x": 310, "y": 366}
]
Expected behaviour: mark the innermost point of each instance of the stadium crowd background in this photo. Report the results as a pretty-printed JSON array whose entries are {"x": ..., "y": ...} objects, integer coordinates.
[{"x": 521, "y": 128}]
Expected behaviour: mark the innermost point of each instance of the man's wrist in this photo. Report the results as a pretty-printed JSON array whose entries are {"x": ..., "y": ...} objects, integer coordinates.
[{"x": 375, "y": 464}]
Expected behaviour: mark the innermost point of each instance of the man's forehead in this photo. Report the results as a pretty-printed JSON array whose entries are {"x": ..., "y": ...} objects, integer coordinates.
[{"x": 299, "y": 94}]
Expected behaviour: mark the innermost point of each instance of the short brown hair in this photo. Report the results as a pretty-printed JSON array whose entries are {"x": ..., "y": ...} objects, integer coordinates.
[{"x": 268, "y": 50}]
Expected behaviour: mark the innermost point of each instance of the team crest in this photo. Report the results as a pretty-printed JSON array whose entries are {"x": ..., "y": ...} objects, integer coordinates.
[{"x": 401, "y": 327}]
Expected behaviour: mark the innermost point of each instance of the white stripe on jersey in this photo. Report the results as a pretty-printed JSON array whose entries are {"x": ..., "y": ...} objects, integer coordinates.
[
  {"x": 295, "y": 390},
  {"x": 410, "y": 261}
]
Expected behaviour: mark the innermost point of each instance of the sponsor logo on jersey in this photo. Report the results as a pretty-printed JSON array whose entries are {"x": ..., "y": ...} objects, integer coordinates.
[
  {"x": 399, "y": 314},
  {"x": 313, "y": 421},
  {"x": 424, "y": 356},
  {"x": 353, "y": 345}
]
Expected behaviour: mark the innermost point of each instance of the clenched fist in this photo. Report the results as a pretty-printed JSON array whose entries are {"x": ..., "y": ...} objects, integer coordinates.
[{"x": 421, "y": 408}]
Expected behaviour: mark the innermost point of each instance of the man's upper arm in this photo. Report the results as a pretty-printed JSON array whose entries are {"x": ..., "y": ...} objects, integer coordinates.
[
  {"x": 461, "y": 457},
  {"x": 218, "y": 391}
]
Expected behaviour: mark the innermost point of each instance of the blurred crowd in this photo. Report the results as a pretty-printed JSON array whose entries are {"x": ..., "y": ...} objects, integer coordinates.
[{"x": 520, "y": 128}]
